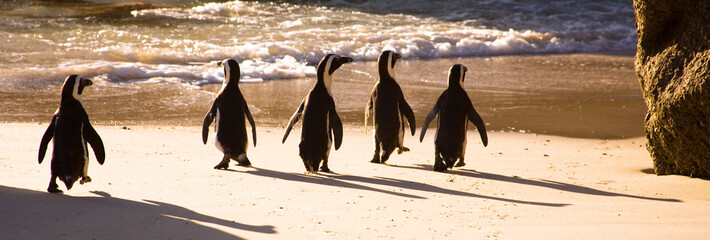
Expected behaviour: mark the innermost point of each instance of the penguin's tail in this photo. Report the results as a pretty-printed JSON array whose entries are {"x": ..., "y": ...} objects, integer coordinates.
[
  {"x": 450, "y": 162},
  {"x": 388, "y": 146},
  {"x": 313, "y": 163},
  {"x": 68, "y": 181}
]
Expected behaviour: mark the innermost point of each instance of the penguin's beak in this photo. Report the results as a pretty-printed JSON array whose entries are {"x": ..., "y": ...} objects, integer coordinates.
[
  {"x": 344, "y": 60},
  {"x": 463, "y": 78},
  {"x": 397, "y": 56},
  {"x": 86, "y": 82}
]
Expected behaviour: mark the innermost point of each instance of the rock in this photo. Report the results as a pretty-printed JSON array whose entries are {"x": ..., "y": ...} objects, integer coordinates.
[{"x": 673, "y": 68}]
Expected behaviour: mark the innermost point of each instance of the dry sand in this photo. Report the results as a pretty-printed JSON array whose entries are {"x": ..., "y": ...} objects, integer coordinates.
[{"x": 158, "y": 183}]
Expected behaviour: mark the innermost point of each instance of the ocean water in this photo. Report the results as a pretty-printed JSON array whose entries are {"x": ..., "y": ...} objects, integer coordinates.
[{"x": 159, "y": 56}]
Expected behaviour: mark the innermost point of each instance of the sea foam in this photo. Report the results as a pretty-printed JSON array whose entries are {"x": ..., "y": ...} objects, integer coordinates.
[{"x": 285, "y": 41}]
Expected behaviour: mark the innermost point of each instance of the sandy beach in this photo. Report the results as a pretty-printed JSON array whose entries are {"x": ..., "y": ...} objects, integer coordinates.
[
  {"x": 555, "y": 83},
  {"x": 158, "y": 183}
]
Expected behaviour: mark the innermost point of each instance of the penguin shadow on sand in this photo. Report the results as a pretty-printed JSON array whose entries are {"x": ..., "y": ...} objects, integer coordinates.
[
  {"x": 327, "y": 179},
  {"x": 538, "y": 183},
  {"x": 356, "y": 182},
  {"x": 29, "y": 214}
]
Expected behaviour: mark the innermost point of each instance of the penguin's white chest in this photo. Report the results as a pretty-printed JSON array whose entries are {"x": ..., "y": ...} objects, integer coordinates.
[
  {"x": 400, "y": 134},
  {"x": 327, "y": 128},
  {"x": 85, "y": 153},
  {"x": 217, "y": 143},
  {"x": 327, "y": 132}
]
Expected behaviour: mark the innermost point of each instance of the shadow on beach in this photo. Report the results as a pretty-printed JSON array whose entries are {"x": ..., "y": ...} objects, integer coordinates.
[
  {"x": 345, "y": 181},
  {"x": 29, "y": 214},
  {"x": 540, "y": 183}
]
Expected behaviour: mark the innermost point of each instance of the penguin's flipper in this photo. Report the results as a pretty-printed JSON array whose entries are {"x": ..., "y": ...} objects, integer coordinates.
[
  {"x": 48, "y": 135},
  {"x": 429, "y": 117},
  {"x": 93, "y": 138},
  {"x": 206, "y": 124},
  {"x": 251, "y": 121},
  {"x": 336, "y": 127},
  {"x": 476, "y": 120},
  {"x": 296, "y": 116},
  {"x": 406, "y": 110}
]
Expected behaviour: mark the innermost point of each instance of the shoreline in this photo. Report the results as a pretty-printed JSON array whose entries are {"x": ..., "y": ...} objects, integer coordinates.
[
  {"x": 544, "y": 94},
  {"x": 158, "y": 181}
]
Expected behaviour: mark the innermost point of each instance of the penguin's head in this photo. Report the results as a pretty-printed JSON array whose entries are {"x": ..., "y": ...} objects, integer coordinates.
[
  {"x": 231, "y": 71},
  {"x": 327, "y": 67},
  {"x": 385, "y": 63},
  {"x": 457, "y": 74},
  {"x": 74, "y": 87}
]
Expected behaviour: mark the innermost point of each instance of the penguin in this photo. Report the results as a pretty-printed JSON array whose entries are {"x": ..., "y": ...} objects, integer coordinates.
[
  {"x": 71, "y": 130},
  {"x": 455, "y": 110},
  {"x": 388, "y": 108},
  {"x": 321, "y": 123},
  {"x": 228, "y": 112}
]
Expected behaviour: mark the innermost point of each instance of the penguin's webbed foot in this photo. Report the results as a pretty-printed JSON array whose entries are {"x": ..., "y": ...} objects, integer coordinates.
[
  {"x": 375, "y": 158},
  {"x": 222, "y": 166},
  {"x": 400, "y": 150},
  {"x": 85, "y": 179},
  {"x": 310, "y": 170},
  {"x": 244, "y": 163},
  {"x": 460, "y": 163},
  {"x": 54, "y": 189},
  {"x": 324, "y": 167},
  {"x": 439, "y": 166}
]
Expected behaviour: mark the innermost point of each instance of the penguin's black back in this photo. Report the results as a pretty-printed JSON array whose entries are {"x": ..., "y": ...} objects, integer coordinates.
[
  {"x": 314, "y": 135},
  {"x": 231, "y": 128},
  {"x": 70, "y": 149},
  {"x": 452, "y": 125},
  {"x": 386, "y": 96}
]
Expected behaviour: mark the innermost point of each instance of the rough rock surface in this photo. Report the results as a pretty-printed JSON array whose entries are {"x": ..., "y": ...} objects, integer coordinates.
[{"x": 673, "y": 68}]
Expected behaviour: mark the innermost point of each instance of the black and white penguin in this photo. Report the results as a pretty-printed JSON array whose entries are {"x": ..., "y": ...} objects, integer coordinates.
[
  {"x": 388, "y": 107},
  {"x": 455, "y": 110},
  {"x": 321, "y": 123},
  {"x": 228, "y": 112},
  {"x": 71, "y": 130}
]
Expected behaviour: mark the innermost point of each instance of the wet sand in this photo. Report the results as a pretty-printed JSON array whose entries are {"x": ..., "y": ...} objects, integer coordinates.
[
  {"x": 577, "y": 95},
  {"x": 158, "y": 183}
]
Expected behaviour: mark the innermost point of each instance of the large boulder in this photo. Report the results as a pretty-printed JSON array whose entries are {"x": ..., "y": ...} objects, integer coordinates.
[{"x": 673, "y": 68}]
